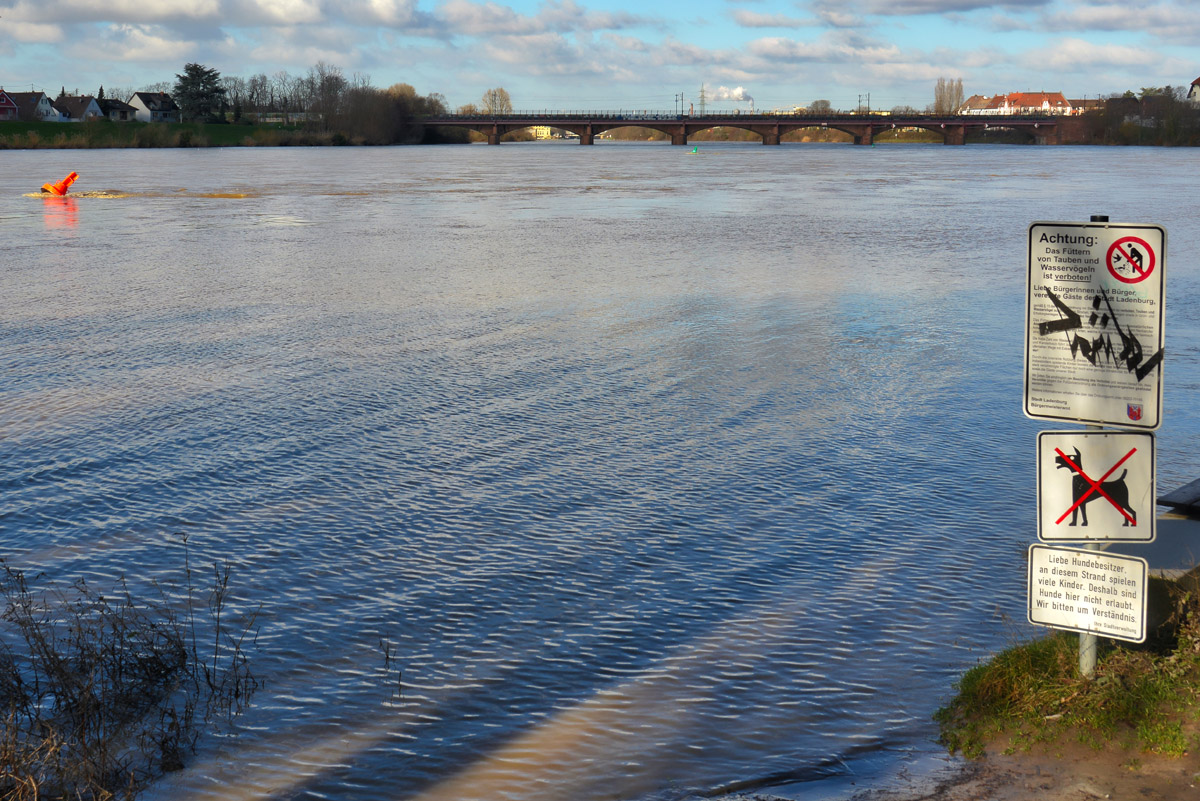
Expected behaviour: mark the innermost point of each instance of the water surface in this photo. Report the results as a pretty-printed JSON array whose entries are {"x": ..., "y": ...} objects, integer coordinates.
[{"x": 666, "y": 474}]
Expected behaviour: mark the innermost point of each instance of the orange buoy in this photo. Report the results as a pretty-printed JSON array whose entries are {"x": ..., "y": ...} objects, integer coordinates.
[{"x": 62, "y": 186}]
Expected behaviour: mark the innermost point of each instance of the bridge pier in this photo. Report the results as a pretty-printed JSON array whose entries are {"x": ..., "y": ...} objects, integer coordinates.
[
  {"x": 771, "y": 138},
  {"x": 679, "y": 137},
  {"x": 954, "y": 134},
  {"x": 493, "y": 138},
  {"x": 865, "y": 135}
]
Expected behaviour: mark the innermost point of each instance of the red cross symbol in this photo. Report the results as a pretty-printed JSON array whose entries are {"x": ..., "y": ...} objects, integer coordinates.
[{"x": 1094, "y": 486}]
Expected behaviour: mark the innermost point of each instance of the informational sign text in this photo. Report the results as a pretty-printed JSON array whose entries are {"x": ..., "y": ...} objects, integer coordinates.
[{"x": 1088, "y": 591}]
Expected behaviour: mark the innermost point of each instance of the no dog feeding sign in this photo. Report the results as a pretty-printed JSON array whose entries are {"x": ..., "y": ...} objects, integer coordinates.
[{"x": 1094, "y": 323}]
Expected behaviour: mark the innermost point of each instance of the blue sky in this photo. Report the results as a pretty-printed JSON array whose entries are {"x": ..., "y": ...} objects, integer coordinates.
[{"x": 610, "y": 54}]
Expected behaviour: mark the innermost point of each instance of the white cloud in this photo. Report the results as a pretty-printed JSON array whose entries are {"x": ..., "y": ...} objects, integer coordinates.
[
  {"x": 1118, "y": 17},
  {"x": 32, "y": 32},
  {"x": 1071, "y": 54},
  {"x": 754, "y": 19},
  {"x": 826, "y": 50},
  {"x": 918, "y": 7},
  {"x": 393, "y": 13},
  {"x": 273, "y": 12},
  {"x": 484, "y": 19},
  {"x": 149, "y": 43},
  {"x": 137, "y": 12}
]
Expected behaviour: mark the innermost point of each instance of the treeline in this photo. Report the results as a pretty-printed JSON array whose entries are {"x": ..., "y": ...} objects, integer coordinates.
[
  {"x": 1152, "y": 116},
  {"x": 347, "y": 110}
]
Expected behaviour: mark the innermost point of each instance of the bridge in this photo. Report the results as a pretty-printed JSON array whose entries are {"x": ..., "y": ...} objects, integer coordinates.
[{"x": 954, "y": 129}]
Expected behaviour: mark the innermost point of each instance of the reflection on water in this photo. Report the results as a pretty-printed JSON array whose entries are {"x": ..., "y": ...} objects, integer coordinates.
[
  {"x": 666, "y": 475},
  {"x": 60, "y": 211}
]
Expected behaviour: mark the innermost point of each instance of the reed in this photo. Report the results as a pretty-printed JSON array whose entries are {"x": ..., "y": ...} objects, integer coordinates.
[{"x": 101, "y": 692}]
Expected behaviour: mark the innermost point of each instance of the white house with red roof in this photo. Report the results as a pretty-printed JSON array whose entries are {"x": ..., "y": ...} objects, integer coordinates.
[
  {"x": 1193, "y": 94},
  {"x": 1018, "y": 103}
]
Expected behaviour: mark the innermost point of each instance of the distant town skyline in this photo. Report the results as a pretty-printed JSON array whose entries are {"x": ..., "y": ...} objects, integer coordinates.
[{"x": 609, "y": 54}]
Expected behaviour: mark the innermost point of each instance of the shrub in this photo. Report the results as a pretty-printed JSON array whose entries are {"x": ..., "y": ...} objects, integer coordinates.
[{"x": 101, "y": 693}]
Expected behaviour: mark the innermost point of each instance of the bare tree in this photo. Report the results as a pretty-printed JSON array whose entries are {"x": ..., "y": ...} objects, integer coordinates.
[
  {"x": 497, "y": 101},
  {"x": 820, "y": 107},
  {"x": 947, "y": 95},
  {"x": 235, "y": 93},
  {"x": 327, "y": 88},
  {"x": 290, "y": 94},
  {"x": 260, "y": 94}
]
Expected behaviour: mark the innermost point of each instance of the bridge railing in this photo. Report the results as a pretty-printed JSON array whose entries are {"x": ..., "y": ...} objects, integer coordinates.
[{"x": 666, "y": 116}]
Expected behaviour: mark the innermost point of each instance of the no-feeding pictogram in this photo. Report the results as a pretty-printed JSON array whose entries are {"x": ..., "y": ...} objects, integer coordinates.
[{"x": 1130, "y": 259}]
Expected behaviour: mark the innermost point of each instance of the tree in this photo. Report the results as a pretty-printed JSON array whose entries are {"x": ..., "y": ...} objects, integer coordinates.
[
  {"x": 198, "y": 92},
  {"x": 497, "y": 101},
  {"x": 326, "y": 88},
  {"x": 820, "y": 107},
  {"x": 947, "y": 95}
]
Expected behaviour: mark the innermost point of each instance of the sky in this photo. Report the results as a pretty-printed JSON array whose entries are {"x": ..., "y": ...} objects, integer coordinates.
[{"x": 617, "y": 54}]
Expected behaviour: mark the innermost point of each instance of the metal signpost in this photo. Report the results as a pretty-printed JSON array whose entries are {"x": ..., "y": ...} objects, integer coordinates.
[{"x": 1093, "y": 355}]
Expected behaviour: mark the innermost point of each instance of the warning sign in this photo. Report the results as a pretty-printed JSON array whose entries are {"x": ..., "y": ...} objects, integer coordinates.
[
  {"x": 1094, "y": 323},
  {"x": 1096, "y": 486},
  {"x": 1088, "y": 591}
]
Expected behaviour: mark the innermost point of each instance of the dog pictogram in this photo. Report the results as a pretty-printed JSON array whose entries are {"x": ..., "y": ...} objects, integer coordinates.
[{"x": 1084, "y": 490}]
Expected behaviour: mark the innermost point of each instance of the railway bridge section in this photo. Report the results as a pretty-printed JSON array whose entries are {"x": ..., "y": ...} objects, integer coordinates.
[{"x": 954, "y": 129}]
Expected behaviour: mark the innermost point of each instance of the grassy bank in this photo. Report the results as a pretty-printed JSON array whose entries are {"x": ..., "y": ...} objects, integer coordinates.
[
  {"x": 106, "y": 134},
  {"x": 1143, "y": 698}
]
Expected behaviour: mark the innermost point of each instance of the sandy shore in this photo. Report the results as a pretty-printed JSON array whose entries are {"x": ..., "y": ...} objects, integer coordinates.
[
  {"x": 1059, "y": 773},
  {"x": 1072, "y": 774}
]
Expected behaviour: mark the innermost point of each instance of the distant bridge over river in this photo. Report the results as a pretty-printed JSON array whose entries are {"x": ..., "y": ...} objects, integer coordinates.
[{"x": 953, "y": 129}]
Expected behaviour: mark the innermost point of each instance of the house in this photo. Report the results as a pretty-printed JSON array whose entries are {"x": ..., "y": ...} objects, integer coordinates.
[
  {"x": 154, "y": 107},
  {"x": 1018, "y": 103},
  {"x": 1085, "y": 105},
  {"x": 8, "y": 107},
  {"x": 1193, "y": 94},
  {"x": 78, "y": 109},
  {"x": 35, "y": 107},
  {"x": 976, "y": 104},
  {"x": 117, "y": 110}
]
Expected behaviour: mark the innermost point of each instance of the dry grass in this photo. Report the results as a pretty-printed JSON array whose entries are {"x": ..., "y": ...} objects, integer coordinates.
[{"x": 101, "y": 693}]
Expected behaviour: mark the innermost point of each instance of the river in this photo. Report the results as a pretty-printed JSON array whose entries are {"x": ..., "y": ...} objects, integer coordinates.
[{"x": 665, "y": 473}]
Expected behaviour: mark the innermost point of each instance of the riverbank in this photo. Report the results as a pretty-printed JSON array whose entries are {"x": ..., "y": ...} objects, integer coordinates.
[
  {"x": 1061, "y": 772},
  {"x": 101, "y": 134},
  {"x": 1064, "y": 772}
]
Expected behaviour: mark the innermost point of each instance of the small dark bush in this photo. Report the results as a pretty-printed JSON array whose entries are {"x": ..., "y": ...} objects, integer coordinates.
[{"x": 101, "y": 693}]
